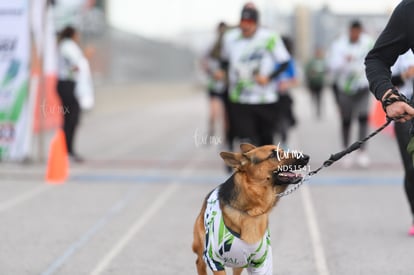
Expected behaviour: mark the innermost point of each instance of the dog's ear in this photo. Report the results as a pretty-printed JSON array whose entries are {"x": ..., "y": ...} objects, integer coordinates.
[
  {"x": 235, "y": 160},
  {"x": 246, "y": 147}
]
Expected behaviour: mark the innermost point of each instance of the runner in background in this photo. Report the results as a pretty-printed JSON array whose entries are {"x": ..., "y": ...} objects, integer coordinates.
[
  {"x": 315, "y": 70},
  {"x": 70, "y": 57},
  {"x": 346, "y": 62},
  {"x": 216, "y": 87},
  {"x": 251, "y": 52}
]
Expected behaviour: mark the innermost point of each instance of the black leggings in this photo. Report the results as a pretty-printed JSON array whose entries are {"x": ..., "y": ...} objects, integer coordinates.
[
  {"x": 351, "y": 107},
  {"x": 71, "y": 111},
  {"x": 254, "y": 123},
  {"x": 346, "y": 130},
  {"x": 403, "y": 137}
]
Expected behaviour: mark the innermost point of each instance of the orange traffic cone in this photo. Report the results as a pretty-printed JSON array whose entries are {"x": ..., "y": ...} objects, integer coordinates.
[
  {"x": 377, "y": 118},
  {"x": 58, "y": 163}
]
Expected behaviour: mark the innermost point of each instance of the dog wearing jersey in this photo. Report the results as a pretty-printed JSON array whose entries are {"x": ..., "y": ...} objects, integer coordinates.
[{"x": 232, "y": 227}]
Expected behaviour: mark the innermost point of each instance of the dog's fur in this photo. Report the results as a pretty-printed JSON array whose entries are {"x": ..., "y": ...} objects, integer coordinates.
[{"x": 247, "y": 201}]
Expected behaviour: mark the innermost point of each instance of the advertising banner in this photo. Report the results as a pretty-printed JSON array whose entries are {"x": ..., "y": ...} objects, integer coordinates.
[{"x": 15, "y": 116}]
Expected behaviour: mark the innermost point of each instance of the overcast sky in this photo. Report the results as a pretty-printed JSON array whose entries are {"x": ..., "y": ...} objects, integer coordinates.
[{"x": 167, "y": 18}]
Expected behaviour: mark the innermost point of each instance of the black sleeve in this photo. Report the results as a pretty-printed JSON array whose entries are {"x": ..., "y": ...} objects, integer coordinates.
[
  {"x": 392, "y": 42},
  {"x": 397, "y": 80},
  {"x": 281, "y": 68}
]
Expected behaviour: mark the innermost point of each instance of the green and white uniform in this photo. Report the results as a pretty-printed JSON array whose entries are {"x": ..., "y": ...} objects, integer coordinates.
[
  {"x": 225, "y": 248},
  {"x": 346, "y": 62},
  {"x": 250, "y": 56}
]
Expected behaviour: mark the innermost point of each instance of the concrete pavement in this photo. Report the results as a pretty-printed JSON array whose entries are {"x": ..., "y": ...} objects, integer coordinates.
[{"x": 130, "y": 208}]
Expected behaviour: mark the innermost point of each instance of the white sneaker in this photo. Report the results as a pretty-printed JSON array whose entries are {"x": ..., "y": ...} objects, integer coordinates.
[{"x": 363, "y": 159}]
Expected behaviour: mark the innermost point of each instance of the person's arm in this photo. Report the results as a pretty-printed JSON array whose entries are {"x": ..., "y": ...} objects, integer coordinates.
[
  {"x": 289, "y": 79},
  {"x": 392, "y": 42},
  {"x": 395, "y": 39},
  {"x": 280, "y": 55},
  {"x": 280, "y": 69},
  {"x": 397, "y": 80}
]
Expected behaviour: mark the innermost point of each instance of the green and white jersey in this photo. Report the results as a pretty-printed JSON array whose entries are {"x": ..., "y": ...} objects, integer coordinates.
[
  {"x": 248, "y": 57},
  {"x": 346, "y": 62},
  {"x": 225, "y": 248}
]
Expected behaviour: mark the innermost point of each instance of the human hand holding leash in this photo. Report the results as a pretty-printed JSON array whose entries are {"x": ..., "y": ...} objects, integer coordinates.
[{"x": 397, "y": 106}]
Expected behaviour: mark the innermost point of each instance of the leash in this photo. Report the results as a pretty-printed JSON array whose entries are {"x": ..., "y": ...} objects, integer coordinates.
[
  {"x": 355, "y": 146},
  {"x": 334, "y": 158}
]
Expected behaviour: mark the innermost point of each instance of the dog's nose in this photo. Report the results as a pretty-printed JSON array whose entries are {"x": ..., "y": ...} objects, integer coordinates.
[{"x": 305, "y": 158}]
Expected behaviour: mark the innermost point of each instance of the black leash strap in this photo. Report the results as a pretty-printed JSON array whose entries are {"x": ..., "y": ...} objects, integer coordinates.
[
  {"x": 388, "y": 100},
  {"x": 356, "y": 145},
  {"x": 333, "y": 158}
]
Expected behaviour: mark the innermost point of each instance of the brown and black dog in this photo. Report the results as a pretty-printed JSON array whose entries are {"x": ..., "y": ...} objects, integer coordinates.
[{"x": 232, "y": 227}]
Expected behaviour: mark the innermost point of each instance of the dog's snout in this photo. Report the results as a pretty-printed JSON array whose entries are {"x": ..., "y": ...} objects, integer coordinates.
[{"x": 305, "y": 159}]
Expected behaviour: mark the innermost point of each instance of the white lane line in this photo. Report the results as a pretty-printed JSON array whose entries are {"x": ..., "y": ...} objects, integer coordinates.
[
  {"x": 143, "y": 220},
  {"x": 90, "y": 233},
  {"x": 135, "y": 228},
  {"x": 6, "y": 205},
  {"x": 318, "y": 250}
]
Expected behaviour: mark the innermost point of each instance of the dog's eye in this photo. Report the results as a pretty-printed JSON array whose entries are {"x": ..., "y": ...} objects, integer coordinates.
[{"x": 273, "y": 154}]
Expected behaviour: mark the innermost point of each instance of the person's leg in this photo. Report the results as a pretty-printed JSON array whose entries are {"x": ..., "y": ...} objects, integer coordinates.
[
  {"x": 403, "y": 137},
  {"x": 73, "y": 122},
  {"x": 278, "y": 121},
  {"x": 345, "y": 107},
  {"x": 314, "y": 99},
  {"x": 346, "y": 112},
  {"x": 361, "y": 105},
  {"x": 215, "y": 113},
  {"x": 210, "y": 117},
  {"x": 284, "y": 125},
  {"x": 266, "y": 116},
  {"x": 318, "y": 102},
  {"x": 243, "y": 122},
  {"x": 346, "y": 131},
  {"x": 285, "y": 117},
  {"x": 290, "y": 114},
  {"x": 363, "y": 128},
  {"x": 336, "y": 92},
  {"x": 66, "y": 94}
]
